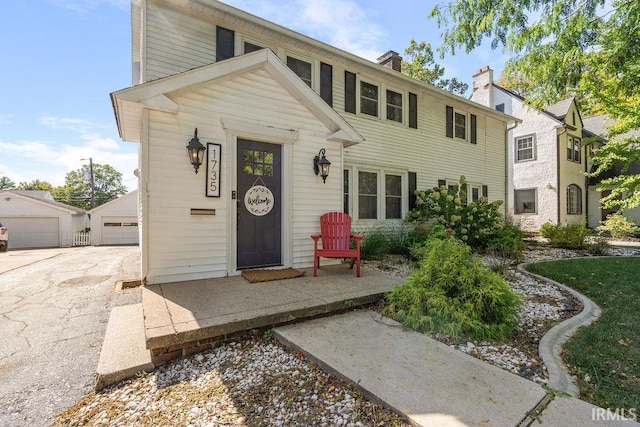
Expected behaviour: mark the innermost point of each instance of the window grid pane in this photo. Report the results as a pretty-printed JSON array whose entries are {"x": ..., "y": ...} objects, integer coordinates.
[
  {"x": 368, "y": 99},
  {"x": 367, "y": 195},
  {"x": 393, "y": 194},
  {"x": 394, "y": 106},
  {"x": 460, "y": 126},
  {"x": 301, "y": 68},
  {"x": 524, "y": 148}
]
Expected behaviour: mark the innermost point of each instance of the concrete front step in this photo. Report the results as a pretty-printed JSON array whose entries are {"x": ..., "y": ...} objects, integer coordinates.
[{"x": 124, "y": 353}]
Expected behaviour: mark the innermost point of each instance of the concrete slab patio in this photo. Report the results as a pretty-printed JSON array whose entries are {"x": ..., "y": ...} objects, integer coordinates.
[{"x": 195, "y": 311}]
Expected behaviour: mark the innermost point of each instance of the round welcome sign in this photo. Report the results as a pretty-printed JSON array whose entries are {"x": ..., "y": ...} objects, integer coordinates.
[{"x": 259, "y": 200}]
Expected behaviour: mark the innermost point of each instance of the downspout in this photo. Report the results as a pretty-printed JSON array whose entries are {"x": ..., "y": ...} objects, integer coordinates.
[
  {"x": 564, "y": 130},
  {"x": 507, "y": 196}
]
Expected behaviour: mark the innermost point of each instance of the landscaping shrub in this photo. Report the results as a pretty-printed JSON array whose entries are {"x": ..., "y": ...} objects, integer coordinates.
[
  {"x": 618, "y": 227},
  {"x": 382, "y": 239},
  {"x": 454, "y": 293},
  {"x": 570, "y": 236},
  {"x": 598, "y": 246},
  {"x": 508, "y": 243},
  {"x": 475, "y": 223}
]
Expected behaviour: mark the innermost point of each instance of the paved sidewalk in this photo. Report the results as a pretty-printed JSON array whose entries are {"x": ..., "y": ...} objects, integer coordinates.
[{"x": 432, "y": 383}]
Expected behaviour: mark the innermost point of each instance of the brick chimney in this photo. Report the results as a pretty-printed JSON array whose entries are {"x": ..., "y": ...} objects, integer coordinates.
[
  {"x": 482, "y": 83},
  {"x": 391, "y": 60}
]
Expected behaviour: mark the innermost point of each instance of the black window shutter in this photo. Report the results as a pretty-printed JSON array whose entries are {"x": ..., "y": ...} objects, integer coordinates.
[
  {"x": 442, "y": 182},
  {"x": 326, "y": 83},
  {"x": 449, "y": 121},
  {"x": 474, "y": 129},
  {"x": 224, "y": 43},
  {"x": 349, "y": 92},
  {"x": 485, "y": 191},
  {"x": 413, "y": 110},
  {"x": 413, "y": 186}
]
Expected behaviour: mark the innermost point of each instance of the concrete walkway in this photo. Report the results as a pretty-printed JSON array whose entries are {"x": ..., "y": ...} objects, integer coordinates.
[{"x": 430, "y": 382}]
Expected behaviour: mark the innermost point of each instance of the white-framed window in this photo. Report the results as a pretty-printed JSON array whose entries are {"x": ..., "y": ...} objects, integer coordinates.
[
  {"x": 525, "y": 201},
  {"x": 473, "y": 193},
  {"x": 574, "y": 200},
  {"x": 394, "y": 106},
  {"x": 369, "y": 98},
  {"x": 375, "y": 193},
  {"x": 303, "y": 68},
  {"x": 525, "y": 148},
  {"x": 574, "y": 147},
  {"x": 461, "y": 125}
]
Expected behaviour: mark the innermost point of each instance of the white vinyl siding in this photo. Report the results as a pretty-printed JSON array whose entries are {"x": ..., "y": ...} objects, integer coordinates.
[{"x": 185, "y": 247}]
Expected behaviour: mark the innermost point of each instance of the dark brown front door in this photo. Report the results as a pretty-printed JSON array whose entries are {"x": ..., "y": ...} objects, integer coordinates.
[{"x": 259, "y": 204}]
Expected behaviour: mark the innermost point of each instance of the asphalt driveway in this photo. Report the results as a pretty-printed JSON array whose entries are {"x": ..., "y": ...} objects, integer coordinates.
[{"x": 54, "y": 308}]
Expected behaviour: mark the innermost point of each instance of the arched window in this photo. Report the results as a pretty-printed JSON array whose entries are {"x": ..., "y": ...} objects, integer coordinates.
[{"x": 574, "y": 200}]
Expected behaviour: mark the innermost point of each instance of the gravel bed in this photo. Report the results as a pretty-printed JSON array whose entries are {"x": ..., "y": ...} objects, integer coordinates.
[{"x": 257, "y": 382}]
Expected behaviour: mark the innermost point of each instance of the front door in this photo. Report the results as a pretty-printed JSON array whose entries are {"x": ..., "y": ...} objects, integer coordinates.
[{"x": 259, "y": 204}]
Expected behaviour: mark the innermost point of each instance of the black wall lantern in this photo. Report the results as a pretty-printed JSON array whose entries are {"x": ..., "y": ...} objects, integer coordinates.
[
  {"x": 195, "y": 151},
  {"x": 321, "y": 165}
]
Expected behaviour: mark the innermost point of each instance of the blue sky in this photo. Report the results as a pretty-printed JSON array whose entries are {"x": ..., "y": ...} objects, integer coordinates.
[{"x": 62, "y": 58}]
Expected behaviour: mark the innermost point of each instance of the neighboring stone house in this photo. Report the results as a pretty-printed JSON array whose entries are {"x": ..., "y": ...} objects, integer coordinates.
[
  {"x": 546, "y": 160},
  {"x": 266, "y": 101}
]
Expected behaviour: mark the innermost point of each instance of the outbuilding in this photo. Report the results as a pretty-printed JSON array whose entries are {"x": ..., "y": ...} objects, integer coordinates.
[
  {"x": 116, "y": 222},
  {"x": 35, "y": 220}
]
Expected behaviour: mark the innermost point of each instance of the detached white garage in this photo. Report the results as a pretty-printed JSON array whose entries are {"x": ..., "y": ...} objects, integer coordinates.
[
  {"x": 116, "y": 222},
  {"x": 36, "y": 220}
]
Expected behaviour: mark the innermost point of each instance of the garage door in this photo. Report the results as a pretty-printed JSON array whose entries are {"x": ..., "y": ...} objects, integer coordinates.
[
  {"x": 32, "y": 232},
  {"x": 119, "y": 230}
]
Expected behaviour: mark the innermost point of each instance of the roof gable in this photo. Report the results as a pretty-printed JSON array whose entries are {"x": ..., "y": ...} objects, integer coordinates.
[
  {"x": 129, "y": 103},
  {"x": 43, "y": 201},
  {"x": 110, "y": 203}
]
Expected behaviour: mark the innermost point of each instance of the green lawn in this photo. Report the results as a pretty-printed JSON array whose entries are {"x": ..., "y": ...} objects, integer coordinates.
[{"x": 605, "y": 356}]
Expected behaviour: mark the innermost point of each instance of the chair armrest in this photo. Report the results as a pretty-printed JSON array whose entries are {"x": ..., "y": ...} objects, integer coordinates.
[
  {"x": 357, "y": 237},
  {"x": 315, "y": 237}
]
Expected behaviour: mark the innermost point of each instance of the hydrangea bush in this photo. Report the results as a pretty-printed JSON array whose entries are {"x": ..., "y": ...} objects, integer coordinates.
[{"x": 474, "y": 223}]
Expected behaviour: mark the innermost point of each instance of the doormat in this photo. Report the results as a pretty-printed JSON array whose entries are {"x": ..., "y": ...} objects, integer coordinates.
[{"x": 265, "y": 275}]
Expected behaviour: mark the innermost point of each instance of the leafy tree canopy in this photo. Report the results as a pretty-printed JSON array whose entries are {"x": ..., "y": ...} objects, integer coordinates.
[
  {"x": 420, "y": 65},
  {"x": 6, "y": 183},
  {"x": 77, "y": 189},
  {"x": 571, "y": 47},
  {"x": 36, "y": 185}
]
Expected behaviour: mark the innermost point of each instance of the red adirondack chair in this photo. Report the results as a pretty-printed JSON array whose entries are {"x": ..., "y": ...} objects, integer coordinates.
[{"x": 335, "y": 232}]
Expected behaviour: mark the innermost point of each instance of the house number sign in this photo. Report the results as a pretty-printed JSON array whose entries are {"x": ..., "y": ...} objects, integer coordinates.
[
  {"x": 213, "y": 169},
  {"x": 259, "y": 200}
]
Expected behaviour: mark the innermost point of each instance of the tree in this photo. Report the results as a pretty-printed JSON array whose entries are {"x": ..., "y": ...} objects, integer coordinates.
[
  {"x": 420, "y": 65},
  {"x": 77, "y": 188},
  {"x": 36, "y": 185},
  {"x": 575, "y": 46},
  {"x": 6, "y": 183}
]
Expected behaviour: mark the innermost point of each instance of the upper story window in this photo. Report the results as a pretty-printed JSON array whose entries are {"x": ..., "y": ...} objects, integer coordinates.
[
  {"x": 368, "y": 99},
  {"x": 250, "y": 47},
  {"x": 500, "y": 107},
  {"x": 574, "y": 200},
  {"x": 525, "y": 148},
  {"x": 573, "y": 149},
  {"x": 349, "y": 92},
  {"x": 225, "y": 44},
  {"x": 394, "y": 106},
  {"x": 326, "y": 83},
  {"x": 460, "y": 125},
  {"x": 301, "y": 68}
]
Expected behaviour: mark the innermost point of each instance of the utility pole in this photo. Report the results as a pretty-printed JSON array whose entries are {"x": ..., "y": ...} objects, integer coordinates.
[{"x": 93, "y": 187}]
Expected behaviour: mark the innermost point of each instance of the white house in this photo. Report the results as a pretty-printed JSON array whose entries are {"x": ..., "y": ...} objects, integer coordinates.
[
  {"x": 546, "y": 161},
  {"x": 267, "y": 101},
  {"x": 116, "y": 222},
  {"x": 36, "y": 220}
]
